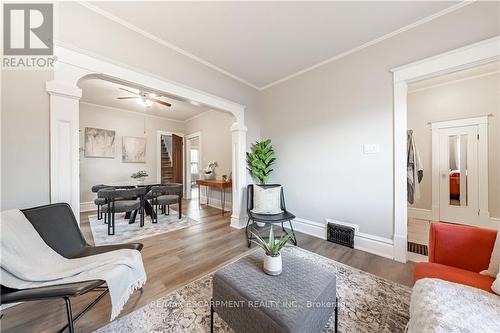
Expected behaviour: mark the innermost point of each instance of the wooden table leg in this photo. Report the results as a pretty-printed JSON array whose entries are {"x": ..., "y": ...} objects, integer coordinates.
[
  {"x": 199, "y": 196},
  {"x": 222, "y": 193}
]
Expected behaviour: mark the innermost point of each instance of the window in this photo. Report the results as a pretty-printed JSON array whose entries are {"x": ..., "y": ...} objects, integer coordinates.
[{"x": 194, "y": 161}]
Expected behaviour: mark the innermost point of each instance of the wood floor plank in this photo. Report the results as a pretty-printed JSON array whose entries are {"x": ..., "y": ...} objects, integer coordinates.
[{"x": 177, "y": 258}]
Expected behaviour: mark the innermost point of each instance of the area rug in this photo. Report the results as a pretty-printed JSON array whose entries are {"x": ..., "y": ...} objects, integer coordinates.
[
  {"x": 367, "y": 304},
  {"x": 125, "y": 232}
]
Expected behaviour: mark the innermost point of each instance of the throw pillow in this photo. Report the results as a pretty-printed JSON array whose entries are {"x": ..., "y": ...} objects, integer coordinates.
[
  {"x": 495, "y": 259},
  {"x": 496, "y": 285},
  {"x": 266, "y": 200}
]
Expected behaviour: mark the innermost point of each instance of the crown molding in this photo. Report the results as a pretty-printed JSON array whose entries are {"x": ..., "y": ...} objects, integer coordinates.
[
  {"x": 113, "y": 108},
  {"x": 373, "y": 42},
  {"x": 437, "y": 85},
  {"x": 163, "y": 42},
  {"x": 288, "y": 77}
]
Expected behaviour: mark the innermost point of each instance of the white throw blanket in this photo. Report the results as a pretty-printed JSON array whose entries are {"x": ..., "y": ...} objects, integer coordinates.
[
  {"x": 28, "y": 262},
  {"x": 441, "y": 306}
]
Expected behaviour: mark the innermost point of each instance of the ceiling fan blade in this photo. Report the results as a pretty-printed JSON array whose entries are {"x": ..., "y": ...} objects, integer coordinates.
[
  {"x": 132, "y": 97},
  {"x": 130, "y": 91},
  {"x": 161, "y": 102}
]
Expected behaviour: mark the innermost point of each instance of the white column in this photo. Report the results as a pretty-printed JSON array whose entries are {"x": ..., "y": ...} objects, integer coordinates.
[
  {"x": 64, "y": 144},
  {"x": 400, "y": 190},
  {"x": 238, "y": 136}
]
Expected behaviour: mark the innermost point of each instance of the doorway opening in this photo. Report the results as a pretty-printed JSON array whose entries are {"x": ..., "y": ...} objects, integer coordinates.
[
  {"x": 193, "y": 164},
  {"x": 452, "y": 149}
]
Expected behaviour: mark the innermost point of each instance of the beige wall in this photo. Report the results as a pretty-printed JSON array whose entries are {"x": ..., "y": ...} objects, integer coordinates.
[
  {"x": 215, "y": 139},
  {"x": 24, "y": 139},
  {"x": 95, "y": 171},
  {"x": 25, "y": 103},
  {"x": 463, "y": 99},
  {"x": 320, "y": 120}
]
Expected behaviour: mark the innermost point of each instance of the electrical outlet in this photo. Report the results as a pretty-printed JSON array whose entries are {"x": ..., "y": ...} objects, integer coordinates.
[{"x": 371, "y": 148}]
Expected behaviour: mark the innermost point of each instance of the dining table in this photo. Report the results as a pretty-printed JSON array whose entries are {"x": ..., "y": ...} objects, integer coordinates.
[{"x": 148, "y": 208}]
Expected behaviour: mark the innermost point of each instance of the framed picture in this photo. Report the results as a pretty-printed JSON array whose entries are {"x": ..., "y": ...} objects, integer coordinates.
[
  {"x": 99, "y": 143},
  {"x": 133, "y": 149}
]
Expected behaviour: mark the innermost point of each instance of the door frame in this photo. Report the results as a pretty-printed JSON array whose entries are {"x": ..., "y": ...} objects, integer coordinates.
[
  {"x": 159, "y": 133},
  {"x": 188, "y": 160},
  {"x": 483, "y": 52},
  {"x": 482, "y": 168},
  {"x": 70, "y": 68}
]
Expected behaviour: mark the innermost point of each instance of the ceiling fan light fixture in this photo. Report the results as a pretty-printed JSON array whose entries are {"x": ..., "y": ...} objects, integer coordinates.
[{"x": 145, "y": 102}]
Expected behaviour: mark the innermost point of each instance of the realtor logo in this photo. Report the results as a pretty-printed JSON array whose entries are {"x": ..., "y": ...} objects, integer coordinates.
[{"x": 28, "y": 29}]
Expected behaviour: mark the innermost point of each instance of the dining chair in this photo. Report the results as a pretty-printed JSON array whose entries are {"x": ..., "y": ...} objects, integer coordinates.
[
  {"x": 122, "y": 201},
  {"x": 165, "y": 195},
  {"x": 99, "y": 202},
  {"x": 280, "y": 218}
]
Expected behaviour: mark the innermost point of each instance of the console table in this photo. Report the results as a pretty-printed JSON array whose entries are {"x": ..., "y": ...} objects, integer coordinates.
[{"x": 214, "y": 183}]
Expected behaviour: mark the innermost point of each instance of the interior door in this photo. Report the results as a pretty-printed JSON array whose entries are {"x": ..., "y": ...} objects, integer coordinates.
[
  {"x": 177, "y": 157},
  {"x": 458, "y": 169}
]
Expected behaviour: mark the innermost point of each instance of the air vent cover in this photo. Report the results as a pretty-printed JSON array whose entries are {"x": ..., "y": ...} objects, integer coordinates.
[{"x": 340, "y": 234}]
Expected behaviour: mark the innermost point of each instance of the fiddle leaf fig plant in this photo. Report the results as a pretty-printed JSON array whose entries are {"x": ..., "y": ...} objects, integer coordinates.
[{"x": 260, "y": 160}]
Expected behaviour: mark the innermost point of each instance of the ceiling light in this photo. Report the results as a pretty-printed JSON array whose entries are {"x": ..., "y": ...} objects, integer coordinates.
[{"x": 145, "y": 102}]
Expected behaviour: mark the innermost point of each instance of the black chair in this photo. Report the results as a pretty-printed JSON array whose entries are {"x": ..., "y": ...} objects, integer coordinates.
[
  {"x": 57, "y": 226},
  {"x": 253, "y": 218},
  {"x": 122, "y": 201},
  {"x": 99, "y": 202},
  {"x": 165, "y": 195}
]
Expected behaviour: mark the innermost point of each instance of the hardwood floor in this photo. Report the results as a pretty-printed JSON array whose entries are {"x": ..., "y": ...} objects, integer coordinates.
[{"x": 175, "y": 259}]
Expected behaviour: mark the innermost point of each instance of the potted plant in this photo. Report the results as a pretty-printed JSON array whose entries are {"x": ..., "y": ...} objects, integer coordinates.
[
  {"x": 272, "y": 249},
  {"x": 140, "y": 176},
  {"x": 209, "y": 171},
  {"x": 260, "y": 160},
  {"x": 259, "y": 163}
]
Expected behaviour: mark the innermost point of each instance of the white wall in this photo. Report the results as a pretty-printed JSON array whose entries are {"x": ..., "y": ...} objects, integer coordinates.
[
  {"x": 463, "y": 99},
  {"x": 95, "y": 171},
  {"x": 215, "y": 145},
  {"x": 319, "y": 121}
]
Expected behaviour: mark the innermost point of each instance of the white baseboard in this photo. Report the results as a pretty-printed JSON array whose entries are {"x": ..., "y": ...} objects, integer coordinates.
[
  {"x": 313, "y": 228},
  {"x": 216, "y": 203},
  {"x": 365, "y": 242},
  {"x": 420, "y": 213},
  {"x": 87, "y": 206}
]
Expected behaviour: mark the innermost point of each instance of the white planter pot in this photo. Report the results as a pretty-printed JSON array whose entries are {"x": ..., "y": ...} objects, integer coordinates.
[{"x": 272, "y": 265}]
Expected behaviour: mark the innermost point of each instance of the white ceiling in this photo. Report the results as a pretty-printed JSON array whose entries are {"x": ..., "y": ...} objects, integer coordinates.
[
  {"x": 263, "y": 42},
  {"x": 101, "y": 92}
]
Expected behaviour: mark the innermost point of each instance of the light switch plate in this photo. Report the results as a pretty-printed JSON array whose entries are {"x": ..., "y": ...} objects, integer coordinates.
[{"x": 371, "y": 148}]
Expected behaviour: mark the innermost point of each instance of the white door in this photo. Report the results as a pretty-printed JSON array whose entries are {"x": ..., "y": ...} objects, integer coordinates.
[{"x": 458, "y": 170}]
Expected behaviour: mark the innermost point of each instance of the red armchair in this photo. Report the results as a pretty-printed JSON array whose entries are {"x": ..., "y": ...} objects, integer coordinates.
[{"x": 457, "y": 253}]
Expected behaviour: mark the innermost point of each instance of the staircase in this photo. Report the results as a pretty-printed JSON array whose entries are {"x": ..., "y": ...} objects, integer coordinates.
[{"x": 167, "y": 170}]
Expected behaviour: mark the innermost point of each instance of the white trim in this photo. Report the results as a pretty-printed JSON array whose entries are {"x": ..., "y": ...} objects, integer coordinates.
[
  {"x": 365, "y": 242},
  {"x": 380, "y": 246},
  {"x": 437, "y": 85},
  {"x": 312, "y": 228},
  {"x": 162, "y": 42},
  {"x": 71, "y": 67},
  {"x": 481, "y": 124},
  {"x": 370, "y": 43},
  {"x": 461, "y": 58},
  {"x": 288, "y": 77},
  {"x": 87, "y": 206},
  {"x": 420, "y": 213},
  {"x": 149, "y": 115},
  {"x": 188, "y": 159}
]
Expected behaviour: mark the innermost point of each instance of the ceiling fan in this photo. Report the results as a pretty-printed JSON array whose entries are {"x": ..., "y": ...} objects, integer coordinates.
[{"x": 144, "y": 98}]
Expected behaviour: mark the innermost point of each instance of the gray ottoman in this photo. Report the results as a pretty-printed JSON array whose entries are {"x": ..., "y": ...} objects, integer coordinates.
[{"x": 301, "y": 299}]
